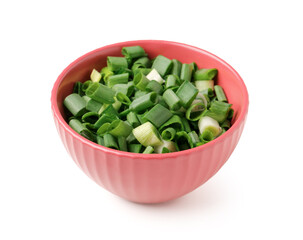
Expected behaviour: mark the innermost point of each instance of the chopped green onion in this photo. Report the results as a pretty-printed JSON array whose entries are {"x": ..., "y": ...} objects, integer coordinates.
[
  {"x": 122, "y": 143},
  {"x": 115, "y": 64},
  {"x": 75, "y": 104},
  {"x": 168, "y": 134},
  {"x": 176, "y": 67},
  {"x": 195, "y": 111},
  {"x": 186, "y": 72},
  {"x": 183, "y": 141},
  {"x": 194, "y": 137},
  {"x": 185, "y": 125},
  {"x": 207, "y": 136},
  {"x": 147, "y": 135},
  {"x": 172, "y": 81},
  {"x": 158, "y": 115},
  {"x": 103, "y": 129},
  {"x": 123, "y": 98},
  {"x": 154, "y": 75},
  {"x": 78, "y": 88},
  {"x": 220, "y": 93},
  {"x": 210, "y": 124},
  {"x": 90, "y": 117},
  {"x": 148, "y": 150},
  {"x": 140, "y": 81},
  {"x": 144, "y": 102},
  {"x": 133, "y": 52},
  {"x": 203, "y": 85},
  {"x": 106, "y": 72},
  {"x": 205, "y": 74},
  {"x": 100, "y": 140},
  {"x": 162, "y": 65},
  {"x": 154, "y": 86},
  {"x": 135, "y": 148},
  {"x": 174, "y": 122},
  {"x": 110, "y": 141},
  {"x": 187, "y": 93},
  {"x": 132, "y": 119},
  {"x": 172, "y": 100},
  {"x": 119, "y": 128},
  {"x": 93, "y": 106},
  {"x": 131, "y": 139},
  {"x": 95, "y": 76},
  {"x": 104, "y": 119},
  {"x": 142, "y": 62},
  {"x": 117, "y": 79},
  {"x": 100, "y": 93},
  {"x": 218, "y": 111},
  {"x": 166, "y": 147},
  {"x": 86, "y": 84},
  {"x": 126, "y": 89}
]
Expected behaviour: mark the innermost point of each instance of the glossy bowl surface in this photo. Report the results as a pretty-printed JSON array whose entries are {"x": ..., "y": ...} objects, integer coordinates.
[{"x": 150, "y": 178}]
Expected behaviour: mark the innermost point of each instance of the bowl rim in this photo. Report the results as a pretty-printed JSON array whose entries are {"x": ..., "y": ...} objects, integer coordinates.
[{"x": 119, "y": 153}]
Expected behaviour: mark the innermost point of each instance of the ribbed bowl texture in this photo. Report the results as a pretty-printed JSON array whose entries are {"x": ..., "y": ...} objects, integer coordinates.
[{"x": 150, "y": 178}]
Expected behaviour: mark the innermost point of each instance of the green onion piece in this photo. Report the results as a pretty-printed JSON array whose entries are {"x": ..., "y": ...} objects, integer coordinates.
[
  {"x": 205, "y": 74},
  {"x": 135, "y": 148},
  {"x": 86, "y": 84},
  {"x": 220, "y": 93},
  {"x": 100, "y": 93},
  {"x": 154, "y": 86},
  {"x": 89, "y": 126},
  {"x": 218, "y": 111},
  {"x": 117, "y": 79},
  {"x": 78, "y": 88},
  {"x": 176, "y": 67},
  {"x": 95, "y": 76},
  {"x": 172, "y": 100},
  {"x": 110, "y": 141},
  {"x": 143, "y": 62},
  {"x": 144, "y": 102},
  {"x": 186, "y": 72},
  {"x": 147, "y": 135},
  {"x": 162, "y": 65},
  {"x": 93, "y": 106},
  {"x": 144, "y": 71},
  {"x": 123, "y": 98},
  {"x": 183, "y": 141},
  {"x": 148, "y": 150},
  {"x": 187, "y": 93},
  {"x": 131, "y": 139},
  {"x": 104, "y": 119},
  {"x": 174, "y": 122},
  {"x": 158, "y": 115},
  {"x": 139, "y": 93},
  {"x": 210, "y": 124},
  {"x": 122, "y": 143},
  {"x": 207, "y": 136},
  {"x": 110, "y": 110},
  {"x": 168, "y": 134},
  {"x": 166, "y": 147},
  {"x": 103, "y": 129},
  {"x": 90, "y": 117},
  {"x": 186, "y": 125},
  {"x": 100, "y": 140},
  {"x": 115, "y": 64},
  {"x": 171, "y": 81},
  {"x": 202, "y": 85},
  {"x": 194, "y": 137},
  {"x": 141, "y": 118},
  {"x": 132, "y": 119},
  {"x": 126, "y": 89},
  {"x": 133, "y": 52},
  {"x": 162, "y": 101},
  {"x": 140, "y": 81},
  {"x": 195, "y": 111},
  {"x": 119, "y": 128},
  {"x": 154, "y": 75},
  {"x": 76, "y": 125},
  {"x": 75, "y": 104},
  {"x": 208, "y": 93},
  {"x": 106, "y": 72}
]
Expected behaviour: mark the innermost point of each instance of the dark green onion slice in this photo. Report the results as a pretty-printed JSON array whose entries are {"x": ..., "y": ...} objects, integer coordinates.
[
  {"x": 133, "y": 119},
  {"x": 117, "y": 79},
  {"x": 90, "y": 117},
  {"x": 187, "y": 93},
  {"x": 195, "y": 111},
  {"x": 115, "y": 64},
  {"x": 174, "y": 122},
  {"x": 135, "y": 148},
  {"x": 154, "y": 86},
  {"x": 122, "y": 143},
  {"x": 176, "y": 67},
  {"x": 172, "y": 100},
  {"x": 100, "y": 93},
  {"x": 75, "y": 104},
  {"x": 133, "y": 52},
  {"x": 110, "y": 141},
  {"x": 140, "y": 81},
  {"x": 162, "y": 65},
  {"x": 148, "y": 150},
  {"x": 186, "y": 72},
  {"x": 158, "y": 115},
  {"x": 144, "y": 102},
  {"x": 95, "y": 76},
  {"x": 103, "y": 129},
  {"x": 119, "y": 128},
  {"x": 205, "y": 74},
  {"x": 168, "y": 134}
]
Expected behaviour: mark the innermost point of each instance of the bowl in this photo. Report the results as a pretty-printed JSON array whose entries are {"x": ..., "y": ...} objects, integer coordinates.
[{"x": 150, "y": 178}]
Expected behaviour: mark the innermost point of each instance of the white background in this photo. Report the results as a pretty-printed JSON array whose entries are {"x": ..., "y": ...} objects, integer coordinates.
[{"x": 258, "y": 192}]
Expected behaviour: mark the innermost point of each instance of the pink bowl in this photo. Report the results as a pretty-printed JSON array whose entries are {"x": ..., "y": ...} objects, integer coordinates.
[{"x": 150, "y": 178}]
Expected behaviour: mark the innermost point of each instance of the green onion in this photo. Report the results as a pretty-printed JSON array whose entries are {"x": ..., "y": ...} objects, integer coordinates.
[
  {"x": 142, "y": 62},
  {"x": 122, "y": 143},
  {"x": 210, "y": 124},
  {"x": 147, "y": 135},
  {"x": 174, "y": 122},
  {"x": 86, "y": 84},
  {"x": 140, "y": 81},
  {"x": 186, "y": 72},
  {"x": 76, "y": 125},
  {"x": 103, "y": 129},
  {"x": 90, "y": 117},
  {"x": 132, "y": 119},
  {"x": 158, "y": 115},
  {"x": 205, "y": 74},
  {"x": 100, "y": 140},
  {"x": 100, "y": 93},
  {"x": 172, "y": 100},
  {"x": 186, "y": 125},
  {"x": 115, "y": 64},
  {"x": 144, "y": 102},
  {"x": 110, "y": 141},
  {"x": 195, "y": 111},
  {"x": 133, "y": 52},
  {"x": 75, "y": 104},
  {"x": 168, "y": 134},
  {"x": 106, "y": 72},
  {"x": 123, "y": 98},
  {"x": 104, "y": 119},
  {"x": 218, "y": 111},
  {"x": 162, "y": 65},
  {"x": 148, "y": 150},
  {"x": 176, "y": 67},
  {"x": 184, "y": 141},
  {"x": 135, "y": 148},
  {"x": 220, "y": 93},
  {"x": 119, "y": 128},
  {"x": 117, "y": 79},
  {"x": 194, "y": 137},
  {"x": 78, "y": 88},
  {"x": 166, "y": 147},
  {"x": 203, "y": 85},
  {"x": 93, "y": 106},
  {"x": 187, "y": 93},
  {"x": 207, "y": 136},
  {"x": 154, "y": 86},
  {"x": 172, "y": 81},
  {"x": 126, "y": 89},
  {"x": 95, "y": 76},
  {"x": 154, "y": 75}
]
